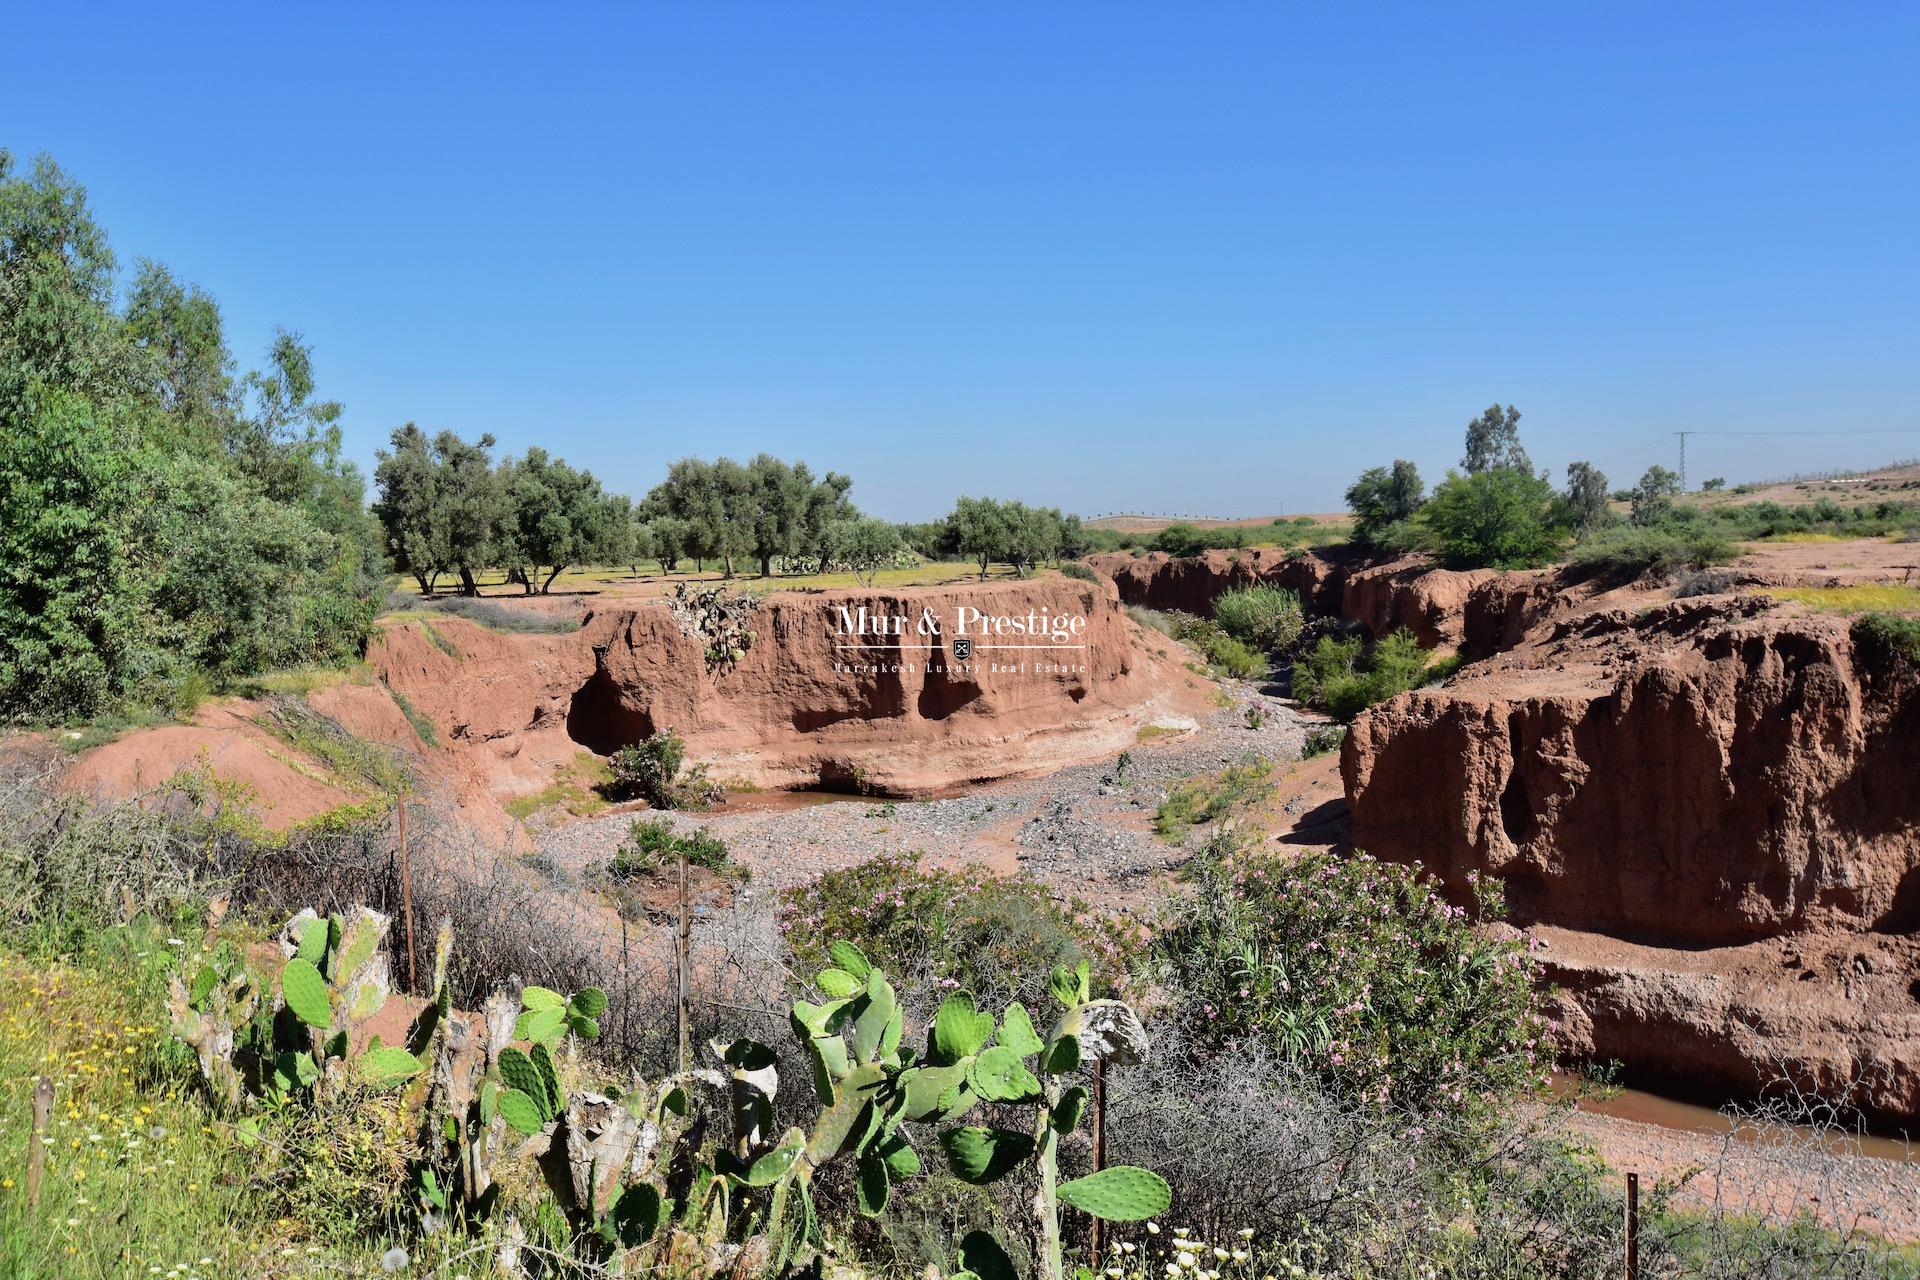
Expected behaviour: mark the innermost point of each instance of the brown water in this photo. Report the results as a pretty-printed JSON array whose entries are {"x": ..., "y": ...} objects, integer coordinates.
[
  {"x": 783, "y": 801},
  {"x": 1667, "y": 1113}
]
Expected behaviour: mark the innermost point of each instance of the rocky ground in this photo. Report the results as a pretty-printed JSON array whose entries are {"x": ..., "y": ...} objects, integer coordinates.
[{"x": 1087, "y": 828}]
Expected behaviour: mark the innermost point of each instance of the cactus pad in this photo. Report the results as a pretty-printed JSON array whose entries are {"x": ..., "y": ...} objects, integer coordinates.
[
  {"x": 1017, "y": 1033},
  {"x": 958, "y": 1030},
  {"x": 982, "y": 1254},
  {"x": 980, "y": 1155},
  {"x": 849, "y": 957},
  {"x": 1068, "y": 1112},
  {"x": 541, "y": 1025},
  {"x": 305, "y": 992},
  {"x": 636, "y": 1214},
  {"x": 519, "y": 1072},
  {"x": 998, "y": 1075},
  {"x": 838, "y": 982},
  {"x": 385, "y": 1067},
  {"x": 1123, "y": 1193},
  {"x": 519, "y": 1109}
]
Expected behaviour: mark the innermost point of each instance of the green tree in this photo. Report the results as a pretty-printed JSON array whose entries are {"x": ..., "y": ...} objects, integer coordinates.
[
  {"x": 1493, "y": 441},
  {"x": 556, "y": 516},
  {"x": 178, "y": 327},
  {"x": 1383, "y": 497},
  {"x": 1499, "y": 518},
  {"x": 1653, "y": 496},
  {"x": 1586, "y": 499},
  {"x": 787, "y": 509},
  {"x": 864, "y": 545},
  {"x": 117, "y": 429},
  {"x": 474, "y": 503},
  {"x": 1586, "y": 505},
  {"x": 411, "y": 509},
  {"x": 978, "y": 529},
  {"x": 1033, "y": 535},
  {"x": 668, "y": 537}
]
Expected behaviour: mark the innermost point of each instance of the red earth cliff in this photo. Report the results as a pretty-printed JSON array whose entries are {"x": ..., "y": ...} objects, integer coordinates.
[
  {"x": 1711, "y": 805},
  {"x": 902, "y": 717}
]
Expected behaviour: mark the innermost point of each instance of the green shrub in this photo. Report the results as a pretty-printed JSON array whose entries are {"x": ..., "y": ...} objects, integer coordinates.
[
  {"x": 1359, "y": 973},
  {"x": 1267, "y": 618},
  {"x": 1499, "y": 518},
  {"x": 652, "y": 846},
  {"x": 1638, "y": 549},
  {"x": 368, "y": 765},
  {"x": 996, "y": 936},
  {"x": 1152, "y": 619},
  {"x": 650, "y": 770},
  {"x": 1234, "y": 790},
  {"x": 1343, "y": 677},
  {"x": 1888, "y": 637},
  {"x": 1224, "y": 654},
  {"x": 1321, "y": 739},
  {"x": 1183, "y": 539},
  {"x": 421, "y": 722},
  {"x": 1074, "y": 569}
]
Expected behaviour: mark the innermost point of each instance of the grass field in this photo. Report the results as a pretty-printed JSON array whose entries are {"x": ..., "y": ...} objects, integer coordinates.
[
  {"x": 620, "y": 578},
  {"x": 1876, "y": 598}
]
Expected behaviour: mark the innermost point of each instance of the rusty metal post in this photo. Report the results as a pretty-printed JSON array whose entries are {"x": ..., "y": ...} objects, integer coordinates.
[
  {"x": 1099, "y": 1135},
  {"x": 406, "y": 898},
  {"x": 681, "y": 948},
  {"x": 626, "y": 982},
  {"x": 42, "y": 1124},
  {"x": 1633, "y": 1226}
]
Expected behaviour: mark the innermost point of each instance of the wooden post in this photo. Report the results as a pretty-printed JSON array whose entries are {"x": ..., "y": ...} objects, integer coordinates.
[
  {"x": 36, "y": 1149},
  {"x": 626, "y": 980},
  {"x": 681, "y": 947},
  {"x": 406, "y": 898},
  {"x": 1099, "y": 1135},
  {"x": 1633, "y": 1226}
]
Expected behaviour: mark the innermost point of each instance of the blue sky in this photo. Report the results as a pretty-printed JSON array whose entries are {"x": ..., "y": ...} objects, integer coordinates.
[{"x": 1185, "y": 258}]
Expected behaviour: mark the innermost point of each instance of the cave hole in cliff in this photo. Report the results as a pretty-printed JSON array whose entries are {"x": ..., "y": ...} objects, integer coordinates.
[
  {"x": 600, "y": 720},
  {"x": 942, "y": 695},
  {"x": 1516, "y": 809}
]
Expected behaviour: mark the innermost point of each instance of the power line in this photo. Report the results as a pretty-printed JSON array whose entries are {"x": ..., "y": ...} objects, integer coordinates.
[{"x": 1847, "y": 431}]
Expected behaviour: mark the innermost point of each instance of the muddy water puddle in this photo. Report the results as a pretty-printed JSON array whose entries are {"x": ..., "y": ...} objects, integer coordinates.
[{"x": 1687, "y": 1117}]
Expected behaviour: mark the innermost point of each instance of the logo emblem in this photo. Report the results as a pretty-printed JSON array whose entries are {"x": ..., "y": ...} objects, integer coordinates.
[{"x": 962, "y": 648}]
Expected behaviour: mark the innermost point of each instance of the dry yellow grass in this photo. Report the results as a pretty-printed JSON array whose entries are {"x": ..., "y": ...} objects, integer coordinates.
[{"x": 1881, "y": 598}]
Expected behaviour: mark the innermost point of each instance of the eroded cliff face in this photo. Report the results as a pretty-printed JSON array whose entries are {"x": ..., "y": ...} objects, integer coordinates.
[
  {"x": 1712, "y": 808},
  {"x": 808, "y": 704},
  {"x": 1709, "y": 772},
  {"x": 1708, "y": 809},
  {"x": 1379, "y": 594}
]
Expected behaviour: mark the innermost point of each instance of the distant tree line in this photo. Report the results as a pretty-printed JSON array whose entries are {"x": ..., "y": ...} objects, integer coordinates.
[
  {"x": 448, "y": 508},
  {"x": 990, "y": 531},
  {"x": 1497, "y": 511}
]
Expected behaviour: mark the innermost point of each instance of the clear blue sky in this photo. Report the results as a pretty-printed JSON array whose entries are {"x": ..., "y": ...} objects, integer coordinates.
[{"x": 1200, "y": 258}]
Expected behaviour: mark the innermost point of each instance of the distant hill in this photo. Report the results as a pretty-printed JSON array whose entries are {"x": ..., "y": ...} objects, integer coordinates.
[{"x": 1899, "y": 481}]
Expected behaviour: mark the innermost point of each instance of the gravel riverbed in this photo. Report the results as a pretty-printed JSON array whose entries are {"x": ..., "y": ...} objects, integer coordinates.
[{"x": 1086, "y": 829}]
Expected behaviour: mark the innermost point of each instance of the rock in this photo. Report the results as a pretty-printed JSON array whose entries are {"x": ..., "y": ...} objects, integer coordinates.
[
  {"x": 1678, "y": 786},
  {"x": 791, "y": 710}
]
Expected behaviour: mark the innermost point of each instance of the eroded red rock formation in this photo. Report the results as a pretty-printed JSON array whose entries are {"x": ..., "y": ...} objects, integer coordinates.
[{"x": 801, "y": 706}]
